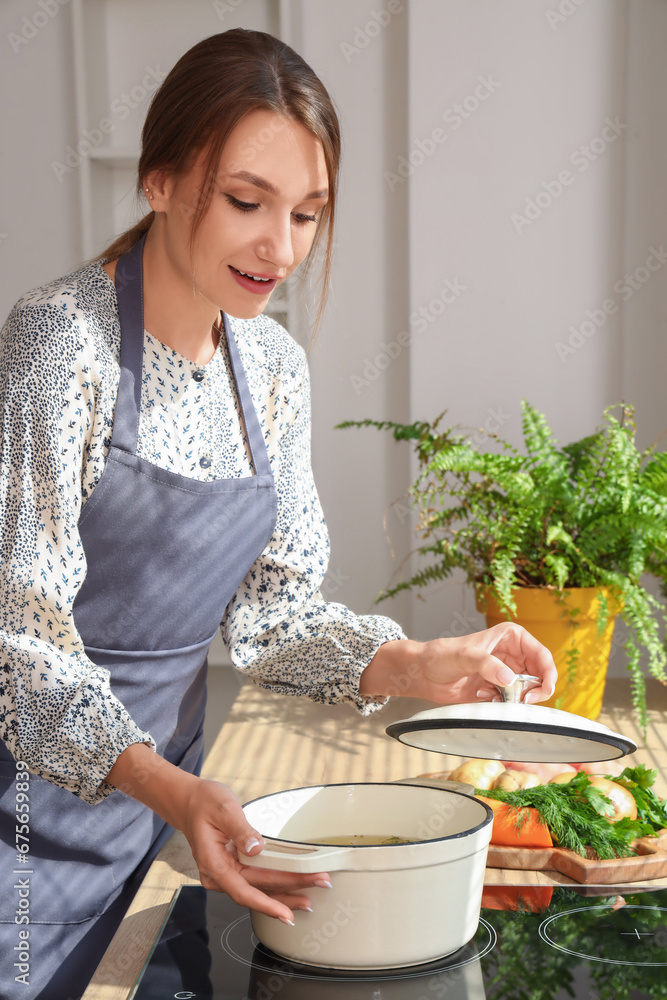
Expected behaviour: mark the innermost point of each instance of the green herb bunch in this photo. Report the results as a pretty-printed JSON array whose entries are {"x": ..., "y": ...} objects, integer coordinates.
[
  {"x": 592, "y": 513},
  {"x": 577, "y": 813}
]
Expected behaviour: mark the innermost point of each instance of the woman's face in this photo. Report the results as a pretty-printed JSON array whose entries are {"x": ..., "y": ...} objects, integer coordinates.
[{"x": 270, "y": 189}]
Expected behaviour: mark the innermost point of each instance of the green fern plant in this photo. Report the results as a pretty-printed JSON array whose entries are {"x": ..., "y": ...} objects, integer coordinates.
[{"x": 590, "y": 514}]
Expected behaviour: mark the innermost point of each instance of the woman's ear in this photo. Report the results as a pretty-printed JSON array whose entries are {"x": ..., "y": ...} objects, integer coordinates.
[{"x": 158, "y": 186}]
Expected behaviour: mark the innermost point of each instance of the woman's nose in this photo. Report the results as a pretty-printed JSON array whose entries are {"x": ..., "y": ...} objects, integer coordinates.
[{"x": 276, "y": 245}]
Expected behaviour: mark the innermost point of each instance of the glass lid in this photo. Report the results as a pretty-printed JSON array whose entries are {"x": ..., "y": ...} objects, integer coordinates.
[{"x": 511, "y": 731}]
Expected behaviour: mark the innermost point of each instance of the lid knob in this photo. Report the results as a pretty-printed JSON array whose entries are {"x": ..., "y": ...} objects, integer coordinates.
[{"x": 515, "y": 691}]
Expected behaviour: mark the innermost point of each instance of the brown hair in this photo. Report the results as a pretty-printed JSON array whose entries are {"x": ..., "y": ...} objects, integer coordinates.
[{"x": 206, "y": 95}]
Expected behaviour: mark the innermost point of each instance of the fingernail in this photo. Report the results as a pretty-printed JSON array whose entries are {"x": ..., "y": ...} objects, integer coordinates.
[
  {"x": 249, "y": 844},
  {"x": 290, "y": 923},
  {"x": 504, "y": 675},
  {"x": 323, "y": 884},
  {"x": 306, "y": 909}
]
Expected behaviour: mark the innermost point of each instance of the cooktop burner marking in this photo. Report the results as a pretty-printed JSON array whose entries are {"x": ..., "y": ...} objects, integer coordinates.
[
  {"x": 293, "y": 970},
  {"x": 548, "y": 926}
]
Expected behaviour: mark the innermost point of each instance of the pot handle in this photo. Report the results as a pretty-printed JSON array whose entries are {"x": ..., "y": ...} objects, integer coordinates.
[
  {"x": 308, "y": 860},
  {"x": 452, "y": 786}
]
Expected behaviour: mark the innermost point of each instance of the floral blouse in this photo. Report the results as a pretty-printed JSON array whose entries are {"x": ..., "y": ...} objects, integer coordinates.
[{"x": 59, "y": 372}]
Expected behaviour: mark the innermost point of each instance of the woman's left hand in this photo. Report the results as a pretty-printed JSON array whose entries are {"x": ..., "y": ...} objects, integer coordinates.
[{"x": 461, "y": 668}]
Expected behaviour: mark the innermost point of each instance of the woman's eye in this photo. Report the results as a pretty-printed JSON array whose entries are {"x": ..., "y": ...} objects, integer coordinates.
[
  {"x": 242, "y": 206},
  {"x": 301, "y": 218}
]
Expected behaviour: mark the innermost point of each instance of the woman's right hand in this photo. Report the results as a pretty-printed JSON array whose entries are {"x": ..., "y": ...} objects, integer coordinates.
[
  {"x": 212, "y": 819},
  {"x": 217, "y": 830}
]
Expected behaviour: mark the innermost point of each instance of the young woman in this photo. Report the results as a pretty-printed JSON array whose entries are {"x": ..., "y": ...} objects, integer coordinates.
[{"x": 155, "y": 486}]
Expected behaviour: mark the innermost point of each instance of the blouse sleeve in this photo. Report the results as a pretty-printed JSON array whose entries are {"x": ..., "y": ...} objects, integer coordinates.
[
  {"x": 278, "y": 628},
  {"x": 57, "y": 711}
]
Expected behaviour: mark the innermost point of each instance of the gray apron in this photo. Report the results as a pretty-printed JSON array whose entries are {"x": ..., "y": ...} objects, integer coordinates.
[{"x": 164, "y": 556}]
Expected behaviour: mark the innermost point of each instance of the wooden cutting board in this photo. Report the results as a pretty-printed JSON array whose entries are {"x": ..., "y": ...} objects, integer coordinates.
[{"x": 650, "y": 862}]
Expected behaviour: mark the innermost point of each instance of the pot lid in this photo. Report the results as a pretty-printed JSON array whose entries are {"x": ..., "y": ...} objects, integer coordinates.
[{"x": 511, "y": 731}]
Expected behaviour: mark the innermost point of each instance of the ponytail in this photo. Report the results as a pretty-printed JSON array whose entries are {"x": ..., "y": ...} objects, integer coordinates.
[{"x": 124, "y": 243}]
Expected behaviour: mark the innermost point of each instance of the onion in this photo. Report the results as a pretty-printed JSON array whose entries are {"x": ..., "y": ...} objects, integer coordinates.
[{"x": 621, "y": 799}]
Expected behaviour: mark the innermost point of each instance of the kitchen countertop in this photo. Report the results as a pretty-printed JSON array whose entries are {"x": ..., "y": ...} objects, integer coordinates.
[{"x": 270, "y": 742}]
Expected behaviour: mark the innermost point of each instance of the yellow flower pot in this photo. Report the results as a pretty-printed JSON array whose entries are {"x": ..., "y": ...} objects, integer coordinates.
[{"x": 551, "y": 622}]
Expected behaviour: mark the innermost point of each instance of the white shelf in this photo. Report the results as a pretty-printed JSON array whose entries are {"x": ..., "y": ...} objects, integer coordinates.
[{"x": 120, "y": 156}]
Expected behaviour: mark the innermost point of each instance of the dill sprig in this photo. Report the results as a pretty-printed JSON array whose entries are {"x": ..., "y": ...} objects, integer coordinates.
[{"x": 576, "y": 814}]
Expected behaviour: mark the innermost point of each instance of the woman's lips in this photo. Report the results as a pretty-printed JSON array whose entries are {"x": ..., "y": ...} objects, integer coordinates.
[{"x": 256, "y": 287}]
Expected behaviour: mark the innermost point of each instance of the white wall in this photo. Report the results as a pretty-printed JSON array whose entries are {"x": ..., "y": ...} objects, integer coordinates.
[
  {"x": 533, "y": 95},
  {"x": 556, "y": 76},
  {"x": 38, "y": 220},
  {"x": 644, "y": 350},
  {"x": 398, "y": 243}
]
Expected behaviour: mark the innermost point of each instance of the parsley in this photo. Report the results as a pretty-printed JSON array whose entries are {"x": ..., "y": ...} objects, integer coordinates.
[{"x": 650, "y": 808}]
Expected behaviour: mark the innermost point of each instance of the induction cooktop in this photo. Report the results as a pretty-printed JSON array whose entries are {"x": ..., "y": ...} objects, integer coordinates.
[{"x": 532, "y": 943}]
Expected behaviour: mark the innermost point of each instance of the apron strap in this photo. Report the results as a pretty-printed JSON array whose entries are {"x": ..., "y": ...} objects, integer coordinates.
[
  {"x": 130, "y": 292},
  {"x": 258, "y": 452},
  {"x": 129, "y": 280}
]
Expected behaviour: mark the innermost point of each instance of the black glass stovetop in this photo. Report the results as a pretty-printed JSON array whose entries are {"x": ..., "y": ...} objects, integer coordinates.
[{"x": 532, "y": 943}]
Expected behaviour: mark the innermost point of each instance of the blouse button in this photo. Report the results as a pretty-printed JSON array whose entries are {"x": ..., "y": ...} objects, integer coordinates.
[
  {"x": 205, "y": 462},
  {"x": 199, "y": 375}
]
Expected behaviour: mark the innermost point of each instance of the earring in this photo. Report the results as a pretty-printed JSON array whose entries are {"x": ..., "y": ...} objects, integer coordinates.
[{"x": 150, "y": 196}]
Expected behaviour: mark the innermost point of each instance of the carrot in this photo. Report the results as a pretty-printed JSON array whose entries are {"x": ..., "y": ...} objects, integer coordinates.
[
  {"x": 527, "y": 898},
  {"x": 532, "y": 832}
]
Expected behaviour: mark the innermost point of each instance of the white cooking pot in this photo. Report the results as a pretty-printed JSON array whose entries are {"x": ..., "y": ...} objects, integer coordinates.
[{"x": 391, "y": 905}]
